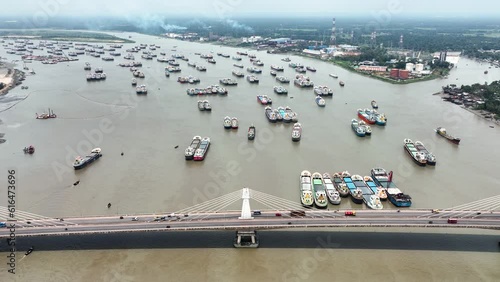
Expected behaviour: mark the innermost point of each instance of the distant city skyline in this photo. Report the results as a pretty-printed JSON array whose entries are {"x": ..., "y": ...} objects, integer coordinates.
[{"x": 238, "y": 8}]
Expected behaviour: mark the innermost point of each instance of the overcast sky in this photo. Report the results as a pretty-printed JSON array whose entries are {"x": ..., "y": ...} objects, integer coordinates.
[{"x": 235, "y": 8}]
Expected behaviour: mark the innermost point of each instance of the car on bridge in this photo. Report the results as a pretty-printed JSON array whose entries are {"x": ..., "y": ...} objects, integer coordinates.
[
  {"x": 350, "y": 213},
  {"x": 3, "y": 224},
  {"x": 452, "y": 220}
]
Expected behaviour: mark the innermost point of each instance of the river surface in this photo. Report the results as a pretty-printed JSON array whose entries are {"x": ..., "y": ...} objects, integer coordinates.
[{"x": 152, "y": 176}]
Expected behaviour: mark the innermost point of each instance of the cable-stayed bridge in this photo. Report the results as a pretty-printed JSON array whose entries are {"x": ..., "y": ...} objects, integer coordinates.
[{"x": 279, "y": 213}]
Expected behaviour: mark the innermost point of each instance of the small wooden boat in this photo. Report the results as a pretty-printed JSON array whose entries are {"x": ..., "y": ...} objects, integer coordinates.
[
  {"x": 251, "y": 132},
  {"x": 29, "y": 150},
  {"x": 320, "y": 101},
  {"x": 296, "y": 132},
  {"x": 374, "y": 104},
  {"x": 334, "y": 75},
  {"x": 341, "y": 83},
  {"x": 442, "y": 132}
]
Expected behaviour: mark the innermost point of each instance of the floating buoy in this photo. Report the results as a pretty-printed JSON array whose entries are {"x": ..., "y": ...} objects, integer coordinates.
[{"x": 122, "y": 153}]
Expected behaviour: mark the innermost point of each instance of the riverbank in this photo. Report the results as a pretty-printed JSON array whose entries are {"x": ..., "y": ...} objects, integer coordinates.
[
  {"x": 488, "y": 116},
  {"x": 62, "y": 35},
  {"x": 10, "y": 78}
]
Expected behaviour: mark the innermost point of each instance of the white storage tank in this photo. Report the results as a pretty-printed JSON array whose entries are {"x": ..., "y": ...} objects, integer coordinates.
[
  {"x": 419, "y": 67},
  {"x": 410, "y": 66}
]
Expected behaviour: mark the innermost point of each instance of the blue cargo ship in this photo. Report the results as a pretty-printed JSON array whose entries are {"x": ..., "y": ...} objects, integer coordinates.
[
  {"x": 384, "y": 179},
  {"x": 356, "y": 194}
]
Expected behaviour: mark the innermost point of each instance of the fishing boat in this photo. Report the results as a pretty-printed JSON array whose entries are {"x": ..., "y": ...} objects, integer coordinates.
[
  {"x": 418, "y": 157},
  {"x": 320, "y": 198},
  {"x": 262, "y": 99},
  {"x": 360, "y": 131},
  {"x": 296, "y": 132},
  {"x": 341, "y": 83},
  {"x": 273, "y": 73},
  {"x": 201, "y": 152},
  {"x": 201, "y": 107},
  {"x": 207, "y": 106},
  {"x": 286, "y": 59},
  {"x": 87, "y": 67},
  {"x": 442, "y": 132},
  {"x": 227, "y": 122},
  {"x": 134, "y": 82},
  {"x": 320, "y": 101},
  {"x": 356, "y": 193},
  {"x": 306, "y": 191},
  {"x": 429, "y": 157},
  {"x": 48, "y": 115},
  {"x": 310, "y": 69},
  {"x": 367, "y": 116},
  {"x": 282, "y": 79},
  {"x": 271, "y": 116},
  {"x": 321, "y": 90},
  {"x": 366, "y": 128},
  {"x": 331, "y": 193},
  {"x": 234, "y": 123},
  {"x": 340, "y": 185},
  {"x": 334, "y": 75},
  {"x": 279, "y": 117},
  {"x": 251, "y": 132},
  {"x": 277, "y": 68},
  {"x": 292, "y": 116},
  {"x": 238, "y": 66},
  {"x": 141, "y": 89},
  {"x": 377, "y": 190},
  {"x": 83, "y": 162},
  {"x": 374, "y": 104},
  {"x": 29, "y": 150},
  {"x": 238, "y": 73},
  {"x": 395, "y": 196},
  {"x": 228, "y": 81},
  {"x": 252, "y": 79},
  {"x": 189, "y": 152}
]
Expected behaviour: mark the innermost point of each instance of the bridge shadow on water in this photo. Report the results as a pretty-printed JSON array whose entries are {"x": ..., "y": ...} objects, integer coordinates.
[{"x": 268, "y": 239}]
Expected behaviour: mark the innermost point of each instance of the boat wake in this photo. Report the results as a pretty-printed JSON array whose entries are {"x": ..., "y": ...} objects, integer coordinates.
[{"x": 9, "y": 100}]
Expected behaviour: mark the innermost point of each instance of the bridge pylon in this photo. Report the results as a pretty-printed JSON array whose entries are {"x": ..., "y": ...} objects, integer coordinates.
[{"x": 246, "y": 212}]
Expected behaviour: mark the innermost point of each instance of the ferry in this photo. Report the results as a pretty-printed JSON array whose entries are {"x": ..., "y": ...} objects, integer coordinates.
[
  {"x": 340, "y": 185},
  {"x": 356, "y": 194},
  {"x": 429, "y": 157},
  {"x": 271, "y": 116},
  {"x": 296, "y": 132},
  {"x": 395, "y": 196},
  {"x": 367, "y": 116},
  {"x": 442, "y": 132},
  {"x": 306, "y": 192},
  {"x": 374, "y": 104},
  {"x": 83, "y": 162},
  {"x": 201, "y": 152},
  {"x": 418, "y": 157},
  {"x": 189, "y": 152},
  {"x": 227, "y": 122},
  {"x": 320, "y": 101},
  {"x": 331, "y": 193},
  {"x": 377, "y": 190},
  {"x": 251, "y": 132},
  {"x": 360, "y": 131},
  {"x": 320, "y": 199}
]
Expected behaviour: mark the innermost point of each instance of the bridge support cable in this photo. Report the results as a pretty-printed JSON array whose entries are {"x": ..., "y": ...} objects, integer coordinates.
[
  {"x": 35, "y": 219},
  {"x": 203, "y": 205},
  {"x": 219, "y": 208},
  {"x": 213, "y": 208},
  {"x": 494, "y": 199},
  {"x": 469, "y": 209}
]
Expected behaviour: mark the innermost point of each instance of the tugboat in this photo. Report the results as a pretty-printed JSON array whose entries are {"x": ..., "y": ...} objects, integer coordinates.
[
  {"x": 340, "y": 185},
  {"x": 82, "y": 162},
  {"x": 374, "y": 104},
  {"x": 200, "y": 153},
  {"x": 189, "y": 152},
  {"x": 306, "y": 192},
  {"x": 46, "y": 115},
  {"x": 418, "y": 157},
  {"x": 234, "y": 123},
  {"x": 442, "y": 132},
  {"x": 251, "y": 132},
  {"x": 320, "y": 199},
  {"x": 297, "y": 132},
  {"x": 227, "y": 122},
  {"x": 29, "y": 150},
  {"x": 331, "y": 193},
  {"x": 429, "y": 157},
  {"x": 360, "y": 131},
  {"x": 320, "y": 101},
  {"x": 395, "y": 196}
]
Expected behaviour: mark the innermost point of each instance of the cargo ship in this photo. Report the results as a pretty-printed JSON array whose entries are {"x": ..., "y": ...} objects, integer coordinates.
[
  {"x": 395, "y": 196},
  {"x": 306, "y": 192},
  {"x": 340, "y": 185},
  {"x": 189, "y": 152},
  {"x": 356, "y": 194},
  {"x": 442, "y": 132},
  {"x": 418, "y": 157},
  {"x": 369, "y": 197},
  {"x": 320, "y": 199},
  {"x": 201, "y": 152},
  {"x": 83, "y": 162}
]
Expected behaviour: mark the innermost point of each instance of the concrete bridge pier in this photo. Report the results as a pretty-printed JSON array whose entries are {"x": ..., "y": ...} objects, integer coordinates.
[{"x": 246, "y": 239}]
